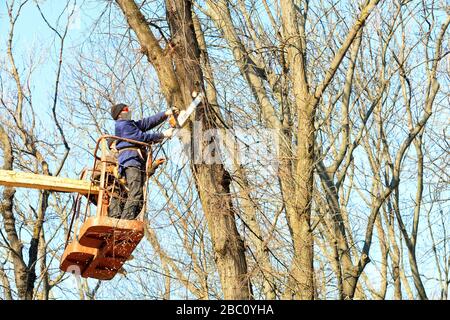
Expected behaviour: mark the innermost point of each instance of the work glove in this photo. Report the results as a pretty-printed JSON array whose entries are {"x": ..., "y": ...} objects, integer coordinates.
[
  {"x": 173, "y": 114},
  {"x": 159, "y": 161},
  {"x": 168, "y": 133},
  {"x": 174, "y": 111}
]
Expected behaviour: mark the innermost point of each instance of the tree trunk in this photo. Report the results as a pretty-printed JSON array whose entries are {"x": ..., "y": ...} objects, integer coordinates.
[
  {"x": 301, "y": 219},
  {"x": 6, "y": 209},
  {"x": 212, "y": 180},
  {"x": 293, "y": 26},
  {"x": 300, "y": 214},
  {"x": 248, "y": 206}
]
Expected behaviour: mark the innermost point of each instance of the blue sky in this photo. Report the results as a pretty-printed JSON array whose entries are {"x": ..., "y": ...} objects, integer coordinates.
[{"x": 33, "y": 38}]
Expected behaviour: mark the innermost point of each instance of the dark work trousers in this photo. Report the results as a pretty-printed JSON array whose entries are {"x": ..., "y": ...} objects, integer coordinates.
[{"x": 131, "y": 207}]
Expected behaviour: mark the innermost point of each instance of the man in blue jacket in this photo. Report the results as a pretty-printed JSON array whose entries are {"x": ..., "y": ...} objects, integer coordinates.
[{"x": 132, "y": 158}]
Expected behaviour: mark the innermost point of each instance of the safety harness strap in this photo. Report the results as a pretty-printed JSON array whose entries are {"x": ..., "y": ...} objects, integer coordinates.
[{"x": 138, "y": 150}]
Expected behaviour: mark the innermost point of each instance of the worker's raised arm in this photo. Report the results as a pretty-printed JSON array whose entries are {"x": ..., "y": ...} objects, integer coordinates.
[
  {"x": 154, "y": 136},
  {"x": 151, "y": 122},
  {"x": 158, "y": 136},
  {"x": 131, "y": 131}
]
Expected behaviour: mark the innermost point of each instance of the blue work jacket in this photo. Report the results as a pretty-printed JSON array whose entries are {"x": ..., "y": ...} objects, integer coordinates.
[{"x": 136, "y": 130}]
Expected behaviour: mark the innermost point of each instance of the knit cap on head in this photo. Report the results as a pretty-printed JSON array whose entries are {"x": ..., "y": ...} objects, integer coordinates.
[{"x": 116, "y": 109}]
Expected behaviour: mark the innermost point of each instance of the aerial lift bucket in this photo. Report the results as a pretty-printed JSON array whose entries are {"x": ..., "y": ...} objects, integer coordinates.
[{"x": 103, "y": 244}]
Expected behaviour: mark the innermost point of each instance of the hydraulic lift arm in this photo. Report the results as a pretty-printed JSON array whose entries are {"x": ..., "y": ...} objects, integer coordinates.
[{"x": 9, "y": 178}]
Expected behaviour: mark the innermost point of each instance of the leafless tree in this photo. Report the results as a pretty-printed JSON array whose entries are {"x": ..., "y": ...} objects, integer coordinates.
[
  {"x": 28, "y": 146},
  {"x": 354, "y": 203}
]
